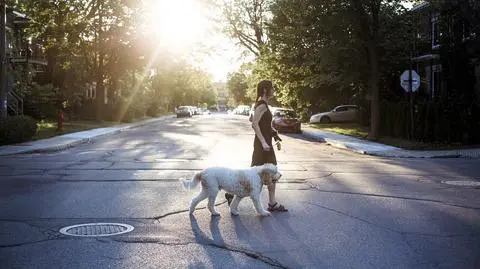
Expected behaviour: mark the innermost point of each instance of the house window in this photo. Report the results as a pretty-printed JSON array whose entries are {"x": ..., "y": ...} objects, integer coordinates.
[{"x": 435, "y": 31}]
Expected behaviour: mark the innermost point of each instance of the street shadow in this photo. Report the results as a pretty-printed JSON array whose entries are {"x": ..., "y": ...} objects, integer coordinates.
[
  {"x": 265, "y": 235},
  {"x": 210, "y": 245}
]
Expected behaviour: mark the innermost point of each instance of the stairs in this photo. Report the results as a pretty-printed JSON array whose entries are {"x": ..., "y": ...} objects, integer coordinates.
[{"x": 14, "y": 104}]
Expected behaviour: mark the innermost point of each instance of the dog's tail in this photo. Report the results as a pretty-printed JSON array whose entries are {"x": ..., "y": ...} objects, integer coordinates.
[{"x": 192, "y": 183}]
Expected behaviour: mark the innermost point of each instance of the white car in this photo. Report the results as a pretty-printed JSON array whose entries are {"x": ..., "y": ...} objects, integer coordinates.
[
  {"x": 344, "y": 113},
  {"x": 241, "y": 110}
]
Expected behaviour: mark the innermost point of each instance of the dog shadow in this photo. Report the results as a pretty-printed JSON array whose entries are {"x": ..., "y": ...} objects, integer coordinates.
[
  {"x": 274, "y": 229},
  {"x": 211, "y": 245},
  {"x": 243, "y": 232},
  {"x": 279, "y": 224}
]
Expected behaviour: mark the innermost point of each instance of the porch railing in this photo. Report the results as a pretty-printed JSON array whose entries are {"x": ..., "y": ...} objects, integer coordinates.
[{"x": 15, "y": 103}]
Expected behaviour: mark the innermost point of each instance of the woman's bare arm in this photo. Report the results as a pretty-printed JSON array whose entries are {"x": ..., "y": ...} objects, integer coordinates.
[{"x": 257, "y": 115}]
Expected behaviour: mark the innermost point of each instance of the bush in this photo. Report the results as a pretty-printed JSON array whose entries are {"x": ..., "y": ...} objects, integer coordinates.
[
  {"x": 154, "y": 109},
  {"x": 17, "y": 129}
]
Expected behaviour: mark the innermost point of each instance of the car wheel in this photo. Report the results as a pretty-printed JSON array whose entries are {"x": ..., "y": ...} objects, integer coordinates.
[{"x": 325, "y": 120}]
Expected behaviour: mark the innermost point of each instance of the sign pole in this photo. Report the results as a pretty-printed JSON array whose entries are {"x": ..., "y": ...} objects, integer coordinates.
[
  {"x": 410, "y": 82},
  {"x": 3, "y": 62},
  {"x": 412, "y": 132}
]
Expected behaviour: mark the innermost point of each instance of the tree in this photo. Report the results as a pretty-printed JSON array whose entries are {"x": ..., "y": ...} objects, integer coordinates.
[
  {"x": 325, "y": 52},
  {"x": 244, "y": 21},
  {"x": 237, "y": 85}
]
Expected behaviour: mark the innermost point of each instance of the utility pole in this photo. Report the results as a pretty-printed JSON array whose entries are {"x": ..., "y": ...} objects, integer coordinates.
[{"x": 3, "y": 62}]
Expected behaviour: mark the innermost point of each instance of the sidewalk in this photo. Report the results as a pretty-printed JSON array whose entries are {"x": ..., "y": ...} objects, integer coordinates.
[
  {"x": 62, "y": 142},
  {"x": 376, "y": 149}
]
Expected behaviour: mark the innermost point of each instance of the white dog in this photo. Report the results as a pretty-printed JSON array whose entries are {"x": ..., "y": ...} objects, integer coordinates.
[{"x": 240, "y": 182}]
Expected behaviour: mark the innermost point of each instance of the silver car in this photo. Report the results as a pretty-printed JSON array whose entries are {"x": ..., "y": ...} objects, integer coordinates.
[{"x": 344, "y": 113}]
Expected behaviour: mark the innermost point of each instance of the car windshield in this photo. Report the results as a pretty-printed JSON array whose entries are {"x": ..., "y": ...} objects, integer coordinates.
[
  {"x": 285, "y": 113},
  {"x": 183, "y": 108}
]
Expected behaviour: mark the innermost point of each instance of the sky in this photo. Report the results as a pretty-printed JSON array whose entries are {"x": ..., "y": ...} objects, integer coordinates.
[{"x": 184, "y": 28}]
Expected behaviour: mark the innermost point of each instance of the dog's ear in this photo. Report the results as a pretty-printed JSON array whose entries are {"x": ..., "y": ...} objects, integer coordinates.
[
  {"x": 269, "y": 173},
  {"x": 266, "y": 176}
]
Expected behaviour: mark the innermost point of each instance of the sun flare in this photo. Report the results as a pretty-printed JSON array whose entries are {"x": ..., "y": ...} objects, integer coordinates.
[{"x": 178, "y": 23}]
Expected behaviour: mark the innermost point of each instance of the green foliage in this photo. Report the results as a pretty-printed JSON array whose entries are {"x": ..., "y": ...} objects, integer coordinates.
[
  {"x": 16, "y": 129},
  {"x": 103, "y": 43},
  {"x": 42, "y": 101},
  {"x": 178, "y": 83},
  {"x": 237, "y": 86},
  {"x": 317, "y": 52}
]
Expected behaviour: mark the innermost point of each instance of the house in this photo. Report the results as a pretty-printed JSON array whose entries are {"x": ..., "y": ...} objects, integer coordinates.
[
  {"x": 427, "y": 59},
  {"x": 21, "y": 51}
]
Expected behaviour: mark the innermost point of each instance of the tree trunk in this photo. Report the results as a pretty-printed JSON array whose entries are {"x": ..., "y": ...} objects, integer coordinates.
[
  {"x": 375, "y": 91},
  {"x": 100, "y": 90},
  {"x": 367, "y": 13}
]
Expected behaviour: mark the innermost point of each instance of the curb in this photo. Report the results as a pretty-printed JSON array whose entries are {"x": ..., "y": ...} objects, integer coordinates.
[
  {"x": 402, "y": 154},
  {"x": 51, "y": 149}
]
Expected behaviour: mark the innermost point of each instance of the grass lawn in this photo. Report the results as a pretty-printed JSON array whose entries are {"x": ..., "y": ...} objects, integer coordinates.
[
  {"x": 355, "y": 130},
  {"x": 48, "y": 128},
  {"x": 351, "y": 129}
]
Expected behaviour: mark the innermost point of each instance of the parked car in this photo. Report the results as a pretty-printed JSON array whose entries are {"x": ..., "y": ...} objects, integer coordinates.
[
  {"x": 242, "y": 110},
  {"x": 194, "y": 110},
  {"x": 183, "y": 111},
  {"x": 343, "y": 113},
  {"x": 204, "y": 111},
  {"x": 286, "y": 120}
]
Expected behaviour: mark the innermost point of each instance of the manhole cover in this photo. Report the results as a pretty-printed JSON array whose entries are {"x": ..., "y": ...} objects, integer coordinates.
[
  {"x": 465, "y": 183},
  {"x": 97, "y": 229}
]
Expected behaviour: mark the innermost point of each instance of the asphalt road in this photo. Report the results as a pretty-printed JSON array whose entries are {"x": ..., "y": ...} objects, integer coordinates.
[{"x": 345, "y": 210}]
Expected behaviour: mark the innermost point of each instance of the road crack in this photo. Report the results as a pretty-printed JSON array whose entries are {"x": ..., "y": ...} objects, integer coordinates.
[
  {"x": 210, "y": 243},
  {"x": 317, "y": 188},
  {"x": 390, "y": 229},
  {"x": 30, "y": 243}
]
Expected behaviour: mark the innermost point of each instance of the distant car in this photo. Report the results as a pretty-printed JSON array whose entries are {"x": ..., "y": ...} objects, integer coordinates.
[
  {"x": 242, "y": 110},
  {"x": 286, "y": 120},
  {"x": 343, "y": 113},
  {"x": 194, "y": 110},
  {"x": 183, "y": 111},
  {"x": 204, "y": 111}
]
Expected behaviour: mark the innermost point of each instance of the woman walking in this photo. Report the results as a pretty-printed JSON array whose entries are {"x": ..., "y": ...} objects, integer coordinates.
[{"x": 262, "y": 145}]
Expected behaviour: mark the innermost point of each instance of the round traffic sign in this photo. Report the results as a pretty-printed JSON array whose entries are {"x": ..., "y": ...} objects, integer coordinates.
[{"x": 405, "y": 80}]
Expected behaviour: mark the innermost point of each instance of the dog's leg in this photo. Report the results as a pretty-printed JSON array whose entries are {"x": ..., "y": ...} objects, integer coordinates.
[
  {"x": 212, "y": 195},
  {"x": 234, "y": 205},
  {"x": 257, "y": 202},
  {"x": 200, "y": 197}
]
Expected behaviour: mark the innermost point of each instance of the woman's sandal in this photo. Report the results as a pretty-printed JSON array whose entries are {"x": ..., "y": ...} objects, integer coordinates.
[{"x": 276, "y": 207}]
